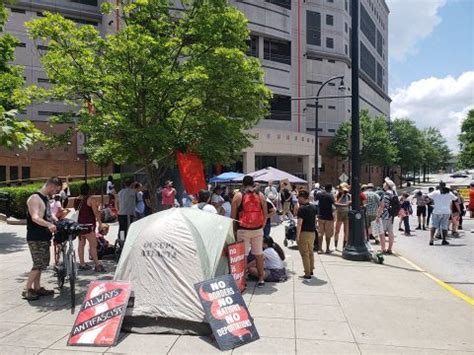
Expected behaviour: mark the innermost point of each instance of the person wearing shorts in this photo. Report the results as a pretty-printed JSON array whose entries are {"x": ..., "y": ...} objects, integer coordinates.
[
  {"x": 371, "y": 206},
  {"x": 442, "y": 199},
  {"x": 39, "y": 231},
  {"x": 251, "y": 220}
]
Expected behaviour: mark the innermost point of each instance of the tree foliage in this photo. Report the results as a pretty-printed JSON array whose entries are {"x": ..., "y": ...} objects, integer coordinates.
[
  {"x": 408, "y": 141},
  {"x": 14, "y": 133},
  {"x": 168, "y": 80},
  {"x": 339, "y": 147},
  {"x": 466, "y": 139},
  {"x": 435, "y": 153}
]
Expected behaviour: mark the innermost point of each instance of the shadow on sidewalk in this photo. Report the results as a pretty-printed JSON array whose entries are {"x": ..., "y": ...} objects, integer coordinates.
[{"x": 11, "y": 243}]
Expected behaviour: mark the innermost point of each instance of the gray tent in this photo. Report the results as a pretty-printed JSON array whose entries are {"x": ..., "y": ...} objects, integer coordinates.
[{"x": 165, "y": 254}]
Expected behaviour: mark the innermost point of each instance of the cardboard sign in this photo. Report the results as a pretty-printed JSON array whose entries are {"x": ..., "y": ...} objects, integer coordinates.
[
  {"x": 226, "y": 312},
  {"x": 237, "y": 263},
  {"x": 100, "y": 317},
  {"x": 464, "y": 192}
]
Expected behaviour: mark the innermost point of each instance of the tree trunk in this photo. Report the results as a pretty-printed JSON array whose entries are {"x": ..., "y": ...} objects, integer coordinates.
[{"x": 153, "y": 183}]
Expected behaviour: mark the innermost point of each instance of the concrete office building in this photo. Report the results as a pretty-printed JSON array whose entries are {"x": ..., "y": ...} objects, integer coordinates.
[{"x": 300, "y": 44}]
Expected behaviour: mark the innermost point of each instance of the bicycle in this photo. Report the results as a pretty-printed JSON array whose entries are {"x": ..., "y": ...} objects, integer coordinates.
[{"x": 65, "y": 256}]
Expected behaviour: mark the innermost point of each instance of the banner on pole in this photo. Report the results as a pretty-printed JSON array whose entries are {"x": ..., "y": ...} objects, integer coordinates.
[
  {"x": 237, "y": 263},
  {"x": 191, "y": 170},
  {"x": 100, "y": 318}
]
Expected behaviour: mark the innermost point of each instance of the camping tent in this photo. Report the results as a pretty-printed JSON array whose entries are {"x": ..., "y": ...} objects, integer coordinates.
[
  {"x": 225, "y": 177},
  {"x": 273, "y": 174},
  {"x": 164, "y": 255}
]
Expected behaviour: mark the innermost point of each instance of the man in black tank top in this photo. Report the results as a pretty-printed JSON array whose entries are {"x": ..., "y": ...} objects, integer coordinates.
[{"x": 39, "y": 231}]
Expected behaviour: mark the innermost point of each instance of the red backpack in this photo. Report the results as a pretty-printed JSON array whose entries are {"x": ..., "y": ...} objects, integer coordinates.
[{"x": 251, "y": 213}]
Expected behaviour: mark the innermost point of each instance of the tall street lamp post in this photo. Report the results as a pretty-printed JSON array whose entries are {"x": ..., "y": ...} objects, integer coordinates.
[
  {"x": 355, "y": 248},
  {"x": 316, "y": 117}
]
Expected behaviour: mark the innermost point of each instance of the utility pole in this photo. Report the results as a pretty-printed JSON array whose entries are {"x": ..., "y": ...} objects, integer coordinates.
[{"x": 355, "y": 249}]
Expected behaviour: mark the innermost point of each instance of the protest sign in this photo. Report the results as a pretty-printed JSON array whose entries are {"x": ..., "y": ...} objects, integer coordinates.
[
  {"x": 100, "y": 317},
  {"x": 237, "y": 263},
  {"x": 226, "y": 312}
]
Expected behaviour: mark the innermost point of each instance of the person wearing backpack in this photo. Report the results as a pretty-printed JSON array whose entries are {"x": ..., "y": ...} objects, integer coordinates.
[
  {"x": 389, "y": 208},
  {"x": 249, "y": 209}
]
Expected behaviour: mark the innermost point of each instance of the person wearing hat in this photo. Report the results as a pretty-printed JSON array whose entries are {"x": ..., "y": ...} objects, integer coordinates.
[
  {"x": 343, "y": 202},
  {"x": 443, "y": 200},
  {"x": 168, "y": 195},
  {"x": 388, "y": 209},
  {"x": 371, "y": 206}
]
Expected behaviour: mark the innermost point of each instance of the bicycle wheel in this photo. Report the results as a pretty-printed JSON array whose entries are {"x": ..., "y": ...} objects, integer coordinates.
[
  {"x": 61, "y": 269},
  {"x": 72, "y": 278}
]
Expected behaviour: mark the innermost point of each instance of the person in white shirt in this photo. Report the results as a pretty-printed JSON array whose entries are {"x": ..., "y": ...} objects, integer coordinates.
[
  {"x": 442, "y": 199},
  {"x": 203, "y": 202},
  {"x": 227, "y": 206},
  {"x": 275, "y": 270}
]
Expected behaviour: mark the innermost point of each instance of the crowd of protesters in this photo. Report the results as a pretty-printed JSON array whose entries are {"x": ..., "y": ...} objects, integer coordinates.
[{"x": 321, "y": 215}]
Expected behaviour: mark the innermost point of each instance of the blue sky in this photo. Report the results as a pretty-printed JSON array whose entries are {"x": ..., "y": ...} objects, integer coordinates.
[{"x": 431, "y": 63}]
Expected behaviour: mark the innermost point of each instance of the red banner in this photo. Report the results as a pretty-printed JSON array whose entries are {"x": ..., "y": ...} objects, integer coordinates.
[
  {"x": 238, "y": 263},
  {"x": 191, "y": 170},
  {"x": 100, "y": 317}
]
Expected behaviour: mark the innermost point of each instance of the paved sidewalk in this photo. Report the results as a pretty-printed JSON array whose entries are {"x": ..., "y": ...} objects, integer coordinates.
[{"x": 352, "y": 308}]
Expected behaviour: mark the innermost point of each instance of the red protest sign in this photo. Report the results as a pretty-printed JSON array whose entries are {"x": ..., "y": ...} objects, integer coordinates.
[
  {"x": 100, "y": 317},
  {"x": 238, "y": 263},
  {"x": 191, "y": 170}
]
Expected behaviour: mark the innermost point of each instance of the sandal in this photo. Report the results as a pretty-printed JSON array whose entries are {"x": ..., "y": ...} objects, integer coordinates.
[
  {"x": 44, "y": 292},
  {"x": 85, "y": 267}
]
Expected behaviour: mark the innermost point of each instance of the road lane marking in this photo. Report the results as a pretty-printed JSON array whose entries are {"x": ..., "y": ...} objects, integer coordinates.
[{"x": 443, "y": 284}]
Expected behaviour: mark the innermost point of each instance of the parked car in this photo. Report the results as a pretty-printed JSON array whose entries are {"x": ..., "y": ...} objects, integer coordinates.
[{"x": 459, "y": 174}]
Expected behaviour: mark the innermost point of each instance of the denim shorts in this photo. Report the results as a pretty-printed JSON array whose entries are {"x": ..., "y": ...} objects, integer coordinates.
[{"x": 440, "y": 221}]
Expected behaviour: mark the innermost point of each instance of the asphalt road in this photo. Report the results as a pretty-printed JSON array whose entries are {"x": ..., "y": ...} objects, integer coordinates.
[{"x": 453, "y": 264}]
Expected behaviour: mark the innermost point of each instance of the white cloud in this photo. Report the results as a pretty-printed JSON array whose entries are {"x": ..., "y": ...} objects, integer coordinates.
[
  {"x": 410, "y": 21},
  {"x": 436, "y": 102}
]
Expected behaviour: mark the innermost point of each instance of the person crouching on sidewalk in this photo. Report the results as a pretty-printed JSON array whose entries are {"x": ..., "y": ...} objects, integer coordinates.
[{"x": 306, "y": 233}]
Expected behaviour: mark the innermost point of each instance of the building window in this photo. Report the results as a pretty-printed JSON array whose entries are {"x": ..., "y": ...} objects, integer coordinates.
[
  {"x": 25, "y": 172},
  {"x": 277, "y": 51},
  {"x": 379, "y": 75},
  {"x": 82, "y": 21},
  {"x": 18, "y": 11},
  {"x": 367, "y": 26},
  {"x": 3, "y": 173},
  {"x": 379, "y": 43},
  {"x": 329, "y": 42},
  {"x": 346, "y": 27},
  {"x": 331, "y": 130},
  {"x": 39, "y": 14},
  {"x": 367, "y": 62},
  {"x": 49, "y": 113},
  {"x": 332, "y": 61},
  {"x": 313, "y": 28},
  {"x": 253, "y": 46},
  {"x": 331, "y": 1},
  {"x": 331, "y": 84},
  {"x": 346, "y": 49},
  {"x": 330, "y": 20},
  {"x": 43, "y": 80},
  {"x": 280, "y": 108},
  {"x": 346, "y": 5},
  {"x": 21, "y": 44},
  {"x": 13, "y": 173},
  {"x": 42, "y": 48},
  {"x": 86, "y": 2},
  {"x": 283, "y": 3},
  {"x": 332, "y": 107}
]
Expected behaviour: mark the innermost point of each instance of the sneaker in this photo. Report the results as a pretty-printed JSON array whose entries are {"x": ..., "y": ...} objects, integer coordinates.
[
  {"x": 424, "y": 228},
  {"x": 400, "y": 229},
  {"x": 389, "y": 252},
  {"x": 44, "y": 292},
  {"x": 99, "y": 268},
  {"x": 85, "y": 267},
  {"x": 460, "y": 227},
  {"x": 431, "y": 242},
  {"x": 30, "y": 295},
  {"x": 260, "y": 284},
  {"x": 305, "y": 277},
  {"x": 418, "y": 228},
  {"x": 444, "y": 242}
]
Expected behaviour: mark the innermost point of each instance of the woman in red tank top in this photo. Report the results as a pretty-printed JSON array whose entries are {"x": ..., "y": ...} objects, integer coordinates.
[{"x": 88, "y": 214}]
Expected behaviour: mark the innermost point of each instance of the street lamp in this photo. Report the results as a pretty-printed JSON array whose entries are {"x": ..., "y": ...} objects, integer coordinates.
[
  {"x": 355, "y": 249},
  {"x": 316, "y": 117}
]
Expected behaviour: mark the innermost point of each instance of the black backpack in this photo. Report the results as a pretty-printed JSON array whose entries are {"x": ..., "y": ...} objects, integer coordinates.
[{"x": 394, "y": 207}]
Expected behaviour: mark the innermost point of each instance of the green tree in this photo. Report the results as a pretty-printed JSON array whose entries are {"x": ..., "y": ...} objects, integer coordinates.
[
  {"x": 435, "y": 152},
  {"x": 408, "y": 141},
  {"x": 377, "y": 149},
  {"x": 339, "y": 147},
  {"x": 466, "y": 139},
  {"x": 14, "y": 97},
  {"x": 167, "y": 81}
]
